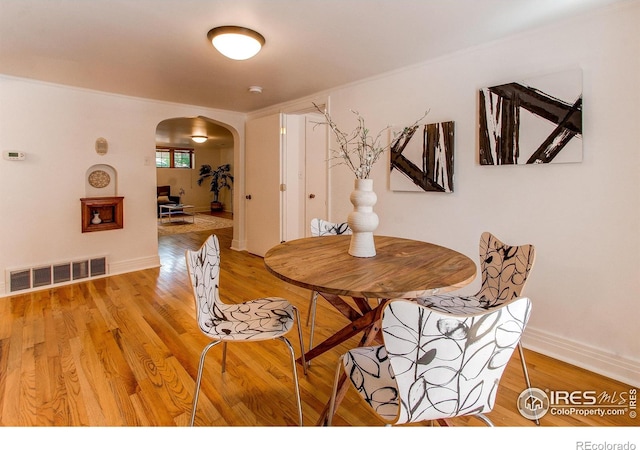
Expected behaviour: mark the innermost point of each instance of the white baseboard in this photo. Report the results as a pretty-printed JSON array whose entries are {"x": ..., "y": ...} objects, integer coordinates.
[
  {"x": 595, "y": 360},
  {"x": 134, "y": 264},
  {"x": 238, "y": 245}
]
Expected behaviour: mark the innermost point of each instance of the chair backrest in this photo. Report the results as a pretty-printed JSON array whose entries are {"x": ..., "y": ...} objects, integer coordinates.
[
  {"x": 447, "y": 365},
  {"x": 321, "y": 227},
  {"x": 203, "y": 266},
  {"x": 505, "y": 269},
  {"x": 163, "y": 190}
]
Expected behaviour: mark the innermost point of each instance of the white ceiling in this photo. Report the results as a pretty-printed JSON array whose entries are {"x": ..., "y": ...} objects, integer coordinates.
[
  {"x": 158, "y": 48},
  {"x": 177, "y": 132}
]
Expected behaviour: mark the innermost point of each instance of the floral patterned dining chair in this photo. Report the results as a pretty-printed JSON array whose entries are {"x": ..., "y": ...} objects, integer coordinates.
[
  {"x": 434, "y": 365},
  {"x": 505, "y": 269},
  {"x": 320, "y": 227},
  {"x": 250, "y": 321}
]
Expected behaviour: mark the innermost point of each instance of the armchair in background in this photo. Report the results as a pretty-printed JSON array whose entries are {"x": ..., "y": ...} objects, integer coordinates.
[{"x": 164, "y": 197}]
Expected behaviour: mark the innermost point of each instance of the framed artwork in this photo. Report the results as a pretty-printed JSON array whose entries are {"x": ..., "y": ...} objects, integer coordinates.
[
  {"x": 424, "y": 161},
  {"x": 535, "y": 121}
]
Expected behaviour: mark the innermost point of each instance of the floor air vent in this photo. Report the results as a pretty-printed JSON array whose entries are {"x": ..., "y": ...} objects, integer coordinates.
[{"x": 45, "y": 275}]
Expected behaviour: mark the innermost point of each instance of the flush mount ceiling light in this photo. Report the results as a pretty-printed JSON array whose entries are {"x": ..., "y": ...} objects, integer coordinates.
[
  {"x": 236, "y": 42},
  {"x": 199, "y": 139}
]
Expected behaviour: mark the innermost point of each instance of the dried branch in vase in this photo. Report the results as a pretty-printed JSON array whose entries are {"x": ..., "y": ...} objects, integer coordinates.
[{"x": 359, "y": 150}]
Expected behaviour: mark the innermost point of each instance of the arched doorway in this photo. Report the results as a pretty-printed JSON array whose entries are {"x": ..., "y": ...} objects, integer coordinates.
[
  {"x": 174, "y": 141},
  {"x": 174, "y": 137}
]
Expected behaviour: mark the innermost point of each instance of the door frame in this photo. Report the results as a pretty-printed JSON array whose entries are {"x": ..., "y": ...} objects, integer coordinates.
[{"x": 304, "y": 109}]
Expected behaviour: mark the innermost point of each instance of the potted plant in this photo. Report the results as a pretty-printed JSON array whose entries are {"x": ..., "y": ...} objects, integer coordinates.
[{"x": 220, "y": 178}]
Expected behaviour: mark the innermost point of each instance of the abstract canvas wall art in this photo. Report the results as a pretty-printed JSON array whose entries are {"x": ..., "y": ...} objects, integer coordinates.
[
  {"x": 533, "y": 121},
  {"x": 424, "y": 161}
]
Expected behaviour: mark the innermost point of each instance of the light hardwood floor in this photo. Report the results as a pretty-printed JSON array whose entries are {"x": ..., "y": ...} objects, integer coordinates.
[{"x": 123, "y": 351}]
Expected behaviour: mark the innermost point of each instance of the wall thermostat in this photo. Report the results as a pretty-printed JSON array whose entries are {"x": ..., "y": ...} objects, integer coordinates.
[
  {"x": 14, "y": 156},
  {"x": 102, "y": 146}
]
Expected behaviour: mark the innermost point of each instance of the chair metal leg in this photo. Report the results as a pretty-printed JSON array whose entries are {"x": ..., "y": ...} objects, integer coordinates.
[
  {"x": 485, "y": 419},
  {"x": 312, "y": 301},
  {"x": 312, "y": 316},
  {"x": 295, "y": 376},
  {"x": 199, "y": 379},
  {"x": 304, "y": 362},
  {"x": 224, "y": 357},
  {"x": 334, "y": 392},
  {"x": 526, "y": 372}
]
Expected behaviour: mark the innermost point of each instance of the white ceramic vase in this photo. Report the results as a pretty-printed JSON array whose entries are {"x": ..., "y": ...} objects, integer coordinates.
[
  {"x": 362, "y": 220},
  {"x": 96, "y": 218}
]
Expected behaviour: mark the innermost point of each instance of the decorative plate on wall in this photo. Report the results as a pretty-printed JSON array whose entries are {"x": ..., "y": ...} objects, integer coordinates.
[{"x": 99, "y": 179}]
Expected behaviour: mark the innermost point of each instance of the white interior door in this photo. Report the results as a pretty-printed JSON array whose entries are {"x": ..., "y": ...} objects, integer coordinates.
[
  {"x": 316, "y": 170},
  {"x": 263, "y": 175}
]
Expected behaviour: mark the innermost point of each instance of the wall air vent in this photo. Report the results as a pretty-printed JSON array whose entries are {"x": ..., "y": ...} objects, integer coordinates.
[
  {"x": 41, "y": 275},
  {"x": 80, "y": 269},
  {"x": 98, "y": 266},
  {"x": 19, "y": 280},
  {"x": 61, "y": 273}
]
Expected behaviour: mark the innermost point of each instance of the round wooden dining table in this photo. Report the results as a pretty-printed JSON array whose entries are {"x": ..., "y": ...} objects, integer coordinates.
[{"x": 401, "y": 268}]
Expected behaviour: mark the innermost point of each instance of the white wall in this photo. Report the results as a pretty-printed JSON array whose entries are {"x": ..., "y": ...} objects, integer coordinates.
[
  {"x": 56, "y": 127},
  {"x": 583, "y": 218}
]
